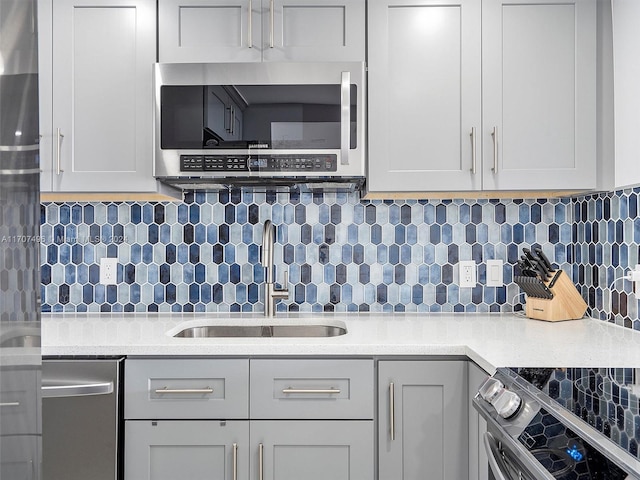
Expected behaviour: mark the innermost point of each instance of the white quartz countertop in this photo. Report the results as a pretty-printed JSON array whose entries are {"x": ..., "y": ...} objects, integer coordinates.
[{"x": 491, "y": 340}]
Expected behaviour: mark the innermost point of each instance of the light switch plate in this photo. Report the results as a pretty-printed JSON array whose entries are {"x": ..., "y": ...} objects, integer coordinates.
[{"x": 494, "y": 273}]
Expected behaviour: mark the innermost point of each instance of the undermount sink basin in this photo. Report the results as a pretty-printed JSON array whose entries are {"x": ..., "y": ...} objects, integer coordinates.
[{"x": 303, "y": 330}]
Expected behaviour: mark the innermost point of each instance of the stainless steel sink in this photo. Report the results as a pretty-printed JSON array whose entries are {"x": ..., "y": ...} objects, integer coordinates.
[{"x": 303, "y": 330}]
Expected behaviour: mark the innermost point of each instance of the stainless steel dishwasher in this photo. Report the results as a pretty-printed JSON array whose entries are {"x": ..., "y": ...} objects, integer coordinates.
[{"x": 81, "y": 419}]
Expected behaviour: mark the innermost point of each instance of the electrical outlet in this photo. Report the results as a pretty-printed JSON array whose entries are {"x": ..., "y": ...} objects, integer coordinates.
[
  {"x": 494, "y": 273},
  {"x": 636, "y": 283},
  {"x": 468, "y": 275},
  {"x": 108, "y": 271}
]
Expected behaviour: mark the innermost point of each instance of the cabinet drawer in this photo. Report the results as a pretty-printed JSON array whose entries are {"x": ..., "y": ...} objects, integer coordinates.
[
  {"x": 19, "y": 397},
  {"x": 312, "y": 389},
  {"x": 186, "y": 388}
]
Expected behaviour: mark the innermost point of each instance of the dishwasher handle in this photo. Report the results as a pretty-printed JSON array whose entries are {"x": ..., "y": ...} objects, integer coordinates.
[{"x": 76, "y": 389}]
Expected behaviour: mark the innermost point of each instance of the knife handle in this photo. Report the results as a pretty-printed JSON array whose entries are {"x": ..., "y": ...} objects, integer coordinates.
[{"x": 544, "y": 258}]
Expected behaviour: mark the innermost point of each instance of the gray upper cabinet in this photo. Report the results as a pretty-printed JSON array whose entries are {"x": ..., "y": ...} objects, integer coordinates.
[
  {"x": 424, "y": 94},
  {"x": 493, "y": 95},
  {"x": 626, "y": 44},
  {"x": 539, "y": 94},
  {"x": 96, "y": 62},
  {"x": 255, "y": 30},
  {"x": 422, "y": 420}
]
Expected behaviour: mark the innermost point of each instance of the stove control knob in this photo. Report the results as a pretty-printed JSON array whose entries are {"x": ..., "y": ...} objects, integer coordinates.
[
  {"x": 507, "y": 404},
  {"x": 490, "y": 389}
]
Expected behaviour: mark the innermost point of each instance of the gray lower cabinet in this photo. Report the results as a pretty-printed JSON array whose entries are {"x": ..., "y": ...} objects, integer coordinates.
[
  {"x": 312, "y": 450},
  {"x": 478, "y": 463},
  {"x": 167, "y": 450},
  {"x": 422, "y": 420},
  {"x": 234, "y": 418}
]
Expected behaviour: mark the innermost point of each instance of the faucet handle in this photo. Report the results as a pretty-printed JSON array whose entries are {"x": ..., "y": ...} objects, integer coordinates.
[{"x": 285, "y": 283}]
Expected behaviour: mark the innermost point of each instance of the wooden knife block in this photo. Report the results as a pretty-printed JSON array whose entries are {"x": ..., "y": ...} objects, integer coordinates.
[{"x": 566, "y": 304}]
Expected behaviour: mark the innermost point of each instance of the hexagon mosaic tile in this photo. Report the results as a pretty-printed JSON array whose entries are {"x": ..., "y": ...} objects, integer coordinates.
[
  {"x": 342, "y": 254},
  {"x": 19, "y": 239},
  {"x": 606, "y": 234}
]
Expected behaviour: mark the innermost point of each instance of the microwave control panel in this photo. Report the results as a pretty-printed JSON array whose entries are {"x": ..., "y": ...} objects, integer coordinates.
[{"x": 259, "y": 163}]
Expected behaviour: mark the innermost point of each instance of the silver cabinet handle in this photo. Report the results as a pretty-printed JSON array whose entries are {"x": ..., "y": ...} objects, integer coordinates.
[
  {"x": 261, "y": 461},
  {"x": 330, "y": 391},
  {"x": 345, "y": 117},
  {"x": 10, "y": 404},
  {"x": 494, "y": 134},
  {"x": 473, "y": 150},
  {"x": 73, "y": 390},
  {"x": 250, "y": 25},
  {"x": 233, "y": 120},
  {"x": 271, "y": 21},
  {"x": 235, "y": 461},
  {"x": 59, "y": 138},
  {"x": 392, "y": 411},
  {"x": 187, "y": 391}
]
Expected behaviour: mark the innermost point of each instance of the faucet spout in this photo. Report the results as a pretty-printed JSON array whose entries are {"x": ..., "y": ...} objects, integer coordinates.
[
  {"x": 271, "y": 293},
  {"x": 268, "y": 242}
]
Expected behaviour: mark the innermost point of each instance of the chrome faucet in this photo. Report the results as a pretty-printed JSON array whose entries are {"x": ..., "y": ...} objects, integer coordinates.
[{"x": 271, "y": 293}]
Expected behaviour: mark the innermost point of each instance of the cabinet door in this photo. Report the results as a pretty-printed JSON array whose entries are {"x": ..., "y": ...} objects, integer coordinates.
[
  {"x": 424, "y": 95},
  {"x": 45, "y": 95},
  {"x": 312, "y": 450},
  {"x": 478, "y": 463},
  {"x": 539, "y": 95},
  {"x": 103, "y": 53},
  {"x": 167, "y": 450},
  {"x": 209, "y": 31},
  {"x": 313, "y": 30},
  {"x": 424, "y": 428},
  {"x": 626, "y": 77}
]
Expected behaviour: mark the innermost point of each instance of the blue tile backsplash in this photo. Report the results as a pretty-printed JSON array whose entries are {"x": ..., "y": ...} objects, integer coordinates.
[
  {"x": 606, "y": 234},
  {"x": 342, "y": 254}
]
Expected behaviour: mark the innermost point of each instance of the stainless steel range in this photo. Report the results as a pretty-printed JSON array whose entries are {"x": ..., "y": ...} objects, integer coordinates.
[{"x": 560, "y": 424}]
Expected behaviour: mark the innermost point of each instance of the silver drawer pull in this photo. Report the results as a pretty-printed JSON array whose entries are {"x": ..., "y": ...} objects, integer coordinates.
[
  {"x": 184, "y": 390},
  {"x": 10, "y": 404},
  {"x": 330, "y": 391}
]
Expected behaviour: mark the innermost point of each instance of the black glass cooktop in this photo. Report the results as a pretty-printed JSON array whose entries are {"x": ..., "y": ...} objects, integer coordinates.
[{"x": 605, "y": 398}]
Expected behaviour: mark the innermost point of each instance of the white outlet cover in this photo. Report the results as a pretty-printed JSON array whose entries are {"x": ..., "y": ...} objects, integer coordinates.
[
  {"x": 467, "y": 274},
  {"x": 108, "y": 271}
]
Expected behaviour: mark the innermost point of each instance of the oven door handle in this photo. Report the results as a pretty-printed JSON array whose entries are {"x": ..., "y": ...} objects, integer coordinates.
[
  {"x": 496, "y": 463},
  {"x": 522, "y": 462}
]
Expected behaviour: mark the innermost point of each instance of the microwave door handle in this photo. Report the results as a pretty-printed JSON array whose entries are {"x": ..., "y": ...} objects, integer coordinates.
[{"x": 345, "y": 118}]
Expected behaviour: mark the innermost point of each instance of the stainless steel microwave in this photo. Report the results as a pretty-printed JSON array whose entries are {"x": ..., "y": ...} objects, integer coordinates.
[{"x": 260, "y": 124}]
